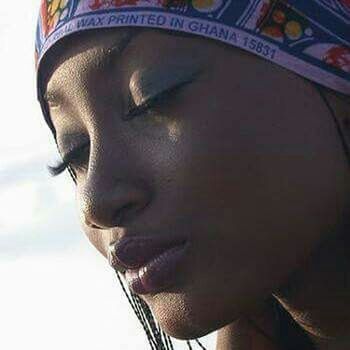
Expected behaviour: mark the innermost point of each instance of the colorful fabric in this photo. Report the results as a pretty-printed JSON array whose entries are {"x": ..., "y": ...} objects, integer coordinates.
[{"x": 308, "y": 37}]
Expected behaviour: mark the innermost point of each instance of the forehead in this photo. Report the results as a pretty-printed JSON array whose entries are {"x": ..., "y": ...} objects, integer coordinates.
[
  {"x": 82, "y": 57},
  {"x": 101, "y": 42},
  {"x": 97, "y": 65}
]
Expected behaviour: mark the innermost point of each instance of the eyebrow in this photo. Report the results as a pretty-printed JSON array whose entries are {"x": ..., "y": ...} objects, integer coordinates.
[
  {"x": 109, "y": 54},
  {"x": 124, "y": 42},
  {"x": 117, "y": 49}
]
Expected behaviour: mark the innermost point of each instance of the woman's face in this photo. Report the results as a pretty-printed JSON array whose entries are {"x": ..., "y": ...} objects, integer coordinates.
[{"x": 243, "y": 160}]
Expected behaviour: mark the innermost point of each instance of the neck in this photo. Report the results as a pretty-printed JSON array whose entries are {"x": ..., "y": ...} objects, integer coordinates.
[
  {"x": 243, "y": 335},
  {"x": 255, "y": 332},
  {"x": 318, "y": 295}
]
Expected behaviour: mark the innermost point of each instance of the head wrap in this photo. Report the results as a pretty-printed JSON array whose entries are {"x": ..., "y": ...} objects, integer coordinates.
[{"x": 310, "y": 38}]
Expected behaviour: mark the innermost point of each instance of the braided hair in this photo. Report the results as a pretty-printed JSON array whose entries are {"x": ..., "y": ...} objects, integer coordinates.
[{"x": 157, "y": 338}]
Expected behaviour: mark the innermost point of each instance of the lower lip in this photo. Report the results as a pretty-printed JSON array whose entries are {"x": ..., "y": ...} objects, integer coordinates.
[{"x": 158, "y": 273}]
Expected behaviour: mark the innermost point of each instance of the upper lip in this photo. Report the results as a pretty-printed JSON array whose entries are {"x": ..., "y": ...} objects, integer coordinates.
[{"x": 134, "y": 251}]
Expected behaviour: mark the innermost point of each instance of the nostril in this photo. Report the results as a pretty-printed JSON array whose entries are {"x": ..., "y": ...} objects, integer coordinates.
[
  {"x": 89, "y": 224},
  {"x": 93, "y": 225},
  {"x": 116, "y": 220},
  {"x": 122, "y": 213}
]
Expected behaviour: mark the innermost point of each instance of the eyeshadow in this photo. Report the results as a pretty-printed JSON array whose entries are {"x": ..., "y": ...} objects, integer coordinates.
[
  {"x": 71, "y": 140},
  {"x": 148, "y": 83}
]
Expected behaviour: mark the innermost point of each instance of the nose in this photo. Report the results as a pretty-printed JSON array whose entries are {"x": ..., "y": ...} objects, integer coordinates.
[{"x": 104, "y": 206}]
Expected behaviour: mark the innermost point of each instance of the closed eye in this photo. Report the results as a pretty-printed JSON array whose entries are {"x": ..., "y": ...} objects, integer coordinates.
[
  {"x": 155, "y": 101},
  {"x": 73, "y": 159}
]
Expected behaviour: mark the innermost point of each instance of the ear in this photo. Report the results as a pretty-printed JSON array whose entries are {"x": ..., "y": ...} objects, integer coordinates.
[{"x": 339, "y": 106}]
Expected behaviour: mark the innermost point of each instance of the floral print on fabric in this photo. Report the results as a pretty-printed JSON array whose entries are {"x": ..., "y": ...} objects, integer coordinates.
[
  {"x": 310, "y": 38},
  {"x": 53, "y": 12}
]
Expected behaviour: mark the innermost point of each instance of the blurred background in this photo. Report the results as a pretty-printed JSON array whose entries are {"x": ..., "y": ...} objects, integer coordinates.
[{"x": 56, "y": 291}]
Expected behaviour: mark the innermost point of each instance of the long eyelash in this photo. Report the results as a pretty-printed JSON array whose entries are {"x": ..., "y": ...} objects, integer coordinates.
[
  {"x": 65, "y": 163},
  {"x": 57, "y": 169}
]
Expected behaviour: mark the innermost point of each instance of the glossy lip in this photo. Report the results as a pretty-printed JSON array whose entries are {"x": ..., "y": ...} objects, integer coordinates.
[
  {"x": 133, "y": 252},
  {"x": 159, "y": 273},
  {"x": 148, "y": 263}
]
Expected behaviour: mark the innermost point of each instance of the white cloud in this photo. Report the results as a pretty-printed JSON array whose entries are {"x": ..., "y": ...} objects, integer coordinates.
[
  {"x": 18, "y": 206},
  {"x": 38, "y": 212},
  {"x": 68, "y": 301}
]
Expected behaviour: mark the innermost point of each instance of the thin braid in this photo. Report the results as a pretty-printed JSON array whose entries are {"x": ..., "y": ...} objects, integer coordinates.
[
  {"x": 129, "y": 300},
  {"x": 164, "y": 340},
  {"x": 171, "y": 343},
  {"x": 337, "y": 123},
  {"x": 165, "y": 336},
  {"x": 158, "y": 335},
  {"x": 147, "y": 320},
  {"x": 145, "y": 316},
  {"x": 200, "y": 344},
  {"x": 150, "y": 320},
  {"x": 153, "y": 323},
  {"x": 144, "y": 321},
  {"x": 150, "y": 316},
  {"x": 149, "y": 337}
]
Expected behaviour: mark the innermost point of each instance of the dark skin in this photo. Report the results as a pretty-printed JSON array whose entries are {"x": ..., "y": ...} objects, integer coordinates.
[{"x": 245, "y": 159}]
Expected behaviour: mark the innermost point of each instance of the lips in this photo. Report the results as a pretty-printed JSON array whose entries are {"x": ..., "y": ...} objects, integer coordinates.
[{"x": 133, "y": 252}]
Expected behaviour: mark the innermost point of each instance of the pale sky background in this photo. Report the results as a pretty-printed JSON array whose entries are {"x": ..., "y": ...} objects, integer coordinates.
[{"x": 56, "y": 291}]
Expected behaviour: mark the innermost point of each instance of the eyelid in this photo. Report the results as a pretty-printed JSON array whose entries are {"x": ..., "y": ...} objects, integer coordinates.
[
  {"x": 74, "y": 153},
  {"x": 150, "y": 101},
  {"x": 51, "y": 99},
  {"x": 146, "y": 83}
]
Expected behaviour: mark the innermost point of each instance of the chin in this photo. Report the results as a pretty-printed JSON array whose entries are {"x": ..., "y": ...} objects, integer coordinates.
[
  {"x": 185, "y": 319},
  {"x": 183, "y": 330}
]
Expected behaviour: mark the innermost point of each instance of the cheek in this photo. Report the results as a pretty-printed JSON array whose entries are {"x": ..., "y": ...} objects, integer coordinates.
[{"x": 261, "y": 198}]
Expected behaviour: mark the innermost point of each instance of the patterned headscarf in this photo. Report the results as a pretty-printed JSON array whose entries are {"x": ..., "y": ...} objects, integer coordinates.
[{"x": 310, "y": 38}]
